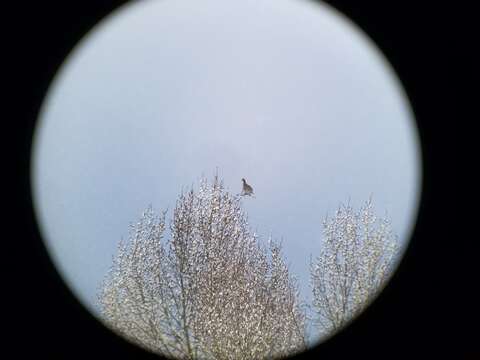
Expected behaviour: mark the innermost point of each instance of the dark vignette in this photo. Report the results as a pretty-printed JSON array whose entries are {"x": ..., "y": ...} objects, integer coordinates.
[{"x": 408, "y": 318}]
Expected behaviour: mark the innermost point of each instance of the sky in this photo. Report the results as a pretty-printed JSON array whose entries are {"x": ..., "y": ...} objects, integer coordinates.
[{"x": 288, "y": 94}]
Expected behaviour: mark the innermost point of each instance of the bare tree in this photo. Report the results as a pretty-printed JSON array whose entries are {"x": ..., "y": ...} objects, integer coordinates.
[
  {"x": 209, "y": 291},
  {"x": 355, "y": 261}
]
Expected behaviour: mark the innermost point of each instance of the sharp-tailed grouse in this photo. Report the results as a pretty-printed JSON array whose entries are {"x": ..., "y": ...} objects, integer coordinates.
[{"x": 247, "y": 189}]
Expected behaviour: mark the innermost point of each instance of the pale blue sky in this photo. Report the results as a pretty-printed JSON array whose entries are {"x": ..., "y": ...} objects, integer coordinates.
[{"x": 286, "y": 93}]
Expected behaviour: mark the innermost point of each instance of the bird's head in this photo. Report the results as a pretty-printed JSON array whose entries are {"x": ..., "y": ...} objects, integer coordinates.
[{"x": 243, "y": 180}]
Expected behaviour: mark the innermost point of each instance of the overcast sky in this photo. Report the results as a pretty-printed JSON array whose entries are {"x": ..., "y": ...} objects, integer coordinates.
[{"x": 285, "y": 93}]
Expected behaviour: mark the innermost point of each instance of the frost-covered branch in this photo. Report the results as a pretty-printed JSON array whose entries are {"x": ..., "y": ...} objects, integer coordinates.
[
  {"x": 355, "y": 261},
  {"x": 209, "y": 289}
]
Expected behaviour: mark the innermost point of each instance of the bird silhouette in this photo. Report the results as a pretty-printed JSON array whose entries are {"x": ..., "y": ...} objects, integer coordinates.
[{"x": 247, "y": 189}]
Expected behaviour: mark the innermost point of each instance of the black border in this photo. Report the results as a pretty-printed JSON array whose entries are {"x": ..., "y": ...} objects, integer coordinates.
[{"x": 411, "y": 316}]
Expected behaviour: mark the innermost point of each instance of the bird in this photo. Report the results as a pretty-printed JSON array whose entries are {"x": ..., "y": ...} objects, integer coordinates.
[{"x": 247, "y": 189}]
